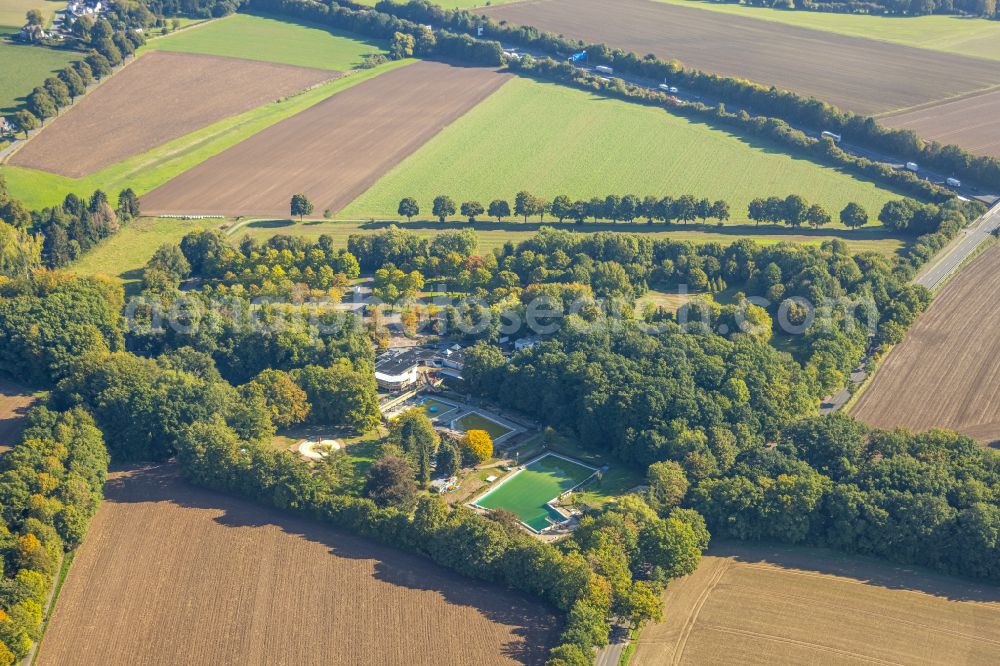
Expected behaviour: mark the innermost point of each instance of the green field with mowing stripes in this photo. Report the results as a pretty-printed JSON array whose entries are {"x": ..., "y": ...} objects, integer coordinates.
[
  {"x": 527, "y": 492},
  {"x": 553, "y": 140},
  {"x": 263, "y": 38}
]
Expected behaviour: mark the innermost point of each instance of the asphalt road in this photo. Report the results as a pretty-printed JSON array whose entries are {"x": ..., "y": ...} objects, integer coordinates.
[{"x": 951, "y": 257}]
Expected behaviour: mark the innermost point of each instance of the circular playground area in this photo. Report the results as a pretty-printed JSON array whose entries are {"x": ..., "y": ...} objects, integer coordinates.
[{"x": 317, "y": 448}]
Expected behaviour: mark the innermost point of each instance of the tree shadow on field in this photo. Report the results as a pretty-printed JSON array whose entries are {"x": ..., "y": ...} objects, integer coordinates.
[
  {"x": 534, "y": 624},
  {"x": 863, "y": 569}
]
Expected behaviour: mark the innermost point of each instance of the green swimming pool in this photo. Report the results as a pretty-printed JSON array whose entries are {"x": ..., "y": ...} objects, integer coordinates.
[{"x": 527, "y": 492}]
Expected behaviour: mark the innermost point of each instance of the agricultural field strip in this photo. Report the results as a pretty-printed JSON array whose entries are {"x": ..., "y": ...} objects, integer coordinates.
[
  {"x": 944, "y": 373},
  {"x": 152, "y": 168},
  {"x": 973, "y": 37},
  {"x": 160, "y": 97},
  {"x": 335, "y": 150},
  {"x": 858, "y": 74},
  {"x": 973, "y": 121},
  {"x": 726, "y": 584},
  {"x": 252, "y": 585}
]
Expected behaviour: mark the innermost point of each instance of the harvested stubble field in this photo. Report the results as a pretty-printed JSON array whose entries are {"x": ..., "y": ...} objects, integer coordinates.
[
  {"x": 14, "y": 403},
  {"x": 159, "y": 97},
  {"x": 774, "y": 605},
  {"x": 862, "y": 75},
  {"x": 972, "y": 122},
  {"x": 171, "y": 574},
  {"x": 333, "y": 151},
  {"x": 946, "y": 372}
]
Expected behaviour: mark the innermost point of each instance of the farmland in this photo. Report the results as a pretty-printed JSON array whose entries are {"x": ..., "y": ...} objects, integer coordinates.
[
  {"x": 26, "y": 66},
  {"x": 944, "y": 373},
  {"x": 862, "y": 75},
  {"x": 272, "y": 40},
  {"x": 14, "y": 403},
  {"x": 972, "y": 122},
  {"x": 759, "y": 604},
  {"x": 159, "y": 97},
  {"x": 335, "y": 150},
  {"x": 553, "y": 140},
  {"x": 172, "y": 574},
  {"x": 973, "y": 37},
  {"x": 147, "y": 170}
]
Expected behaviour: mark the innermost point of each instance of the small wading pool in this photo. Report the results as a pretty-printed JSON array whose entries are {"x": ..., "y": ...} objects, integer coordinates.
[{"x": 528, "y": 491}]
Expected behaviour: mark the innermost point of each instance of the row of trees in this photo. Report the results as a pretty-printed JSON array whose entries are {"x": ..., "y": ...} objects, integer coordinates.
[
  {"x": 613, "y": 207},
  {"x": 50, "y": 485}
]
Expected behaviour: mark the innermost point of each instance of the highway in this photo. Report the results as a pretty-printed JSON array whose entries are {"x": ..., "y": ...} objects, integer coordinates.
[{"x": 948, "y": 260}]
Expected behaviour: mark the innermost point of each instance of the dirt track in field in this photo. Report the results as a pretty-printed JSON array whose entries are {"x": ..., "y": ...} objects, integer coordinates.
[
  {"x": 171, "y": 574},
  {"x": 862, "y": 75},
  {"x": 14, "y": 403},
  {"x": 778, "y": 605},
  {"x": 159, "y": 97},
  {"x": 946, "y": 372},
  {"x": 331, "y": 152},
  {"x": 972, "y": 122}
]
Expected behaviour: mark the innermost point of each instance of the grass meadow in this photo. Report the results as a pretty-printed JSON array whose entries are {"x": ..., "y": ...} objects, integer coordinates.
[
  {"x": 151, "y": 169},
  {"x": 24, "y": 66},
  {"x": 457, "y": 4},
  {"x": 12, "y": 12},
  {"x": 553, "y": 140},
  {"x": 263, "y": 38},
  {"x": 955, "y": 34}
]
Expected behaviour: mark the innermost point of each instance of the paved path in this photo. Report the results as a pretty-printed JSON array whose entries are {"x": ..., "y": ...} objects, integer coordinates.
[{"x": 958, "y": 250}]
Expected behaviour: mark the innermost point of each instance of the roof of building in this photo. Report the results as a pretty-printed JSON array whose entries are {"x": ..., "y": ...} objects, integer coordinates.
[{"x": 398, "y": 361}]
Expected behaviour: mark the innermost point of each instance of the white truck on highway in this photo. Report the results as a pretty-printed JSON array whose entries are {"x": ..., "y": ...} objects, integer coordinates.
[
  {"x": 953, "y": 182},
  {"x": 912, "y": 166},
  {"x": 830, "y": 135},
  {"x": 604, "y": 69},
  {"x": 668, "y": 88}
]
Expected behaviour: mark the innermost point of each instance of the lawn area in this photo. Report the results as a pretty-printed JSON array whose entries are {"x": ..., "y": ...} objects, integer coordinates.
[
  {"x": 148, "y": 170},
  {"x": 954, "y": 34},
  {"x": 551, "y": 140},
  {"x": 123, "y": 255},
  {"x": 474, "y": 421},
  {"x": 263, "y": 38},
  {"x": 24, "y": 66},
  {"x": 362, "y": 450},
  {"x": 662, "y": 299},
  {"x": 527, "y": 491},
  {"x": 12, "y": 13}
]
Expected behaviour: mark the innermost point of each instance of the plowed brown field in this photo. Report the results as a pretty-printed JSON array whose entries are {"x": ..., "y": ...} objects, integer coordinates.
[
  {"x": 159, "y": 97},
  {"x": 776, "y": 605},
  {"x": 946, "y": 372},
  {"x": 171, "y": 574},
  {"x": 14, "y": 403},
  {"x": 972, "y": 122},
  {"x": 862, "y": 75},
  {"x": 331, "y": 152}
]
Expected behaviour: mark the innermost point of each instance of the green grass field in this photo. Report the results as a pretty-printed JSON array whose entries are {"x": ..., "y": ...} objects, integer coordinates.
[
  {"x": 151, "y": 169},
  {"x": 954, "y": 34},
  {"x": 12, "y": 12},
  {"x": 24, "y": 66},
  {"x": 263, "y": 38},
  {"x": 527, "y": 492},
  {"x": 552, "y": 140}
]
